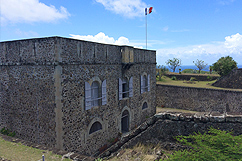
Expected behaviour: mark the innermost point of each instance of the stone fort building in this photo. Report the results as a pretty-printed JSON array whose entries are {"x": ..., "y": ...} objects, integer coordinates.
[{"x": 74, "y": 95}]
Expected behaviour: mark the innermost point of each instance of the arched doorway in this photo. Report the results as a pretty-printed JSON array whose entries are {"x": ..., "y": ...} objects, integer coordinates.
[{"x": 125, "y": 122}]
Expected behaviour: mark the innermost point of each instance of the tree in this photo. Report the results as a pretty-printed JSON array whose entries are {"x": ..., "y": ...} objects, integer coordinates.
[
  {"x": 173, "y": 63},
  {"x": 200, "y": 64},
  {"x": 224, "y": 65},
  {"x": 161, "y": 70}
]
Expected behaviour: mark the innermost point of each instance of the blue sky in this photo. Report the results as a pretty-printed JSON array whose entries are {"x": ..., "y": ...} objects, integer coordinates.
[{"x": 184, "y": 29}]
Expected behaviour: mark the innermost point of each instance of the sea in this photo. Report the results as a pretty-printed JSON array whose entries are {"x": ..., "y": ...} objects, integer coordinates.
[{"x": 193, "y": 67}]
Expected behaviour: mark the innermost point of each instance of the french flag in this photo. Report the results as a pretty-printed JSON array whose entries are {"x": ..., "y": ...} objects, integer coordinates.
[{"x": 148, "y": 10}]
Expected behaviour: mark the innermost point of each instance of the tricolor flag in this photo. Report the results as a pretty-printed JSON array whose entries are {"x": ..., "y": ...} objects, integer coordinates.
[{"x": 148, "y": 10}]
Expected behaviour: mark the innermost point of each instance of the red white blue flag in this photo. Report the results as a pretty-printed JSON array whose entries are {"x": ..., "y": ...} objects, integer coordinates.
[{"x": 148, "y": 10}]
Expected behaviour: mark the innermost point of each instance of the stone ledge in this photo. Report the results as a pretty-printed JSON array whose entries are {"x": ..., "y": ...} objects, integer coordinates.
[{"x": 213, "y": 117}]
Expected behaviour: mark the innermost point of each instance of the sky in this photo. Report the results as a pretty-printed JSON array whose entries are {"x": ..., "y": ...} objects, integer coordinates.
[{"x": 185, "y": 29}]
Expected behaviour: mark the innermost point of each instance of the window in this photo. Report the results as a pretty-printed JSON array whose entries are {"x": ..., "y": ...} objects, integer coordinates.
[
  {"x": 94, "y": 95},
  {"x": 96, "y": 126},
  {"x": 125, "y": 88},
  {"x": 144, "y": 83},
  {"x": 125, "y": 122},
  {"x": 145, "y": 105}
]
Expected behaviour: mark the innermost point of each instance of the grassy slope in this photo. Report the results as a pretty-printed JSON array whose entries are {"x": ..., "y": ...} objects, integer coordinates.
[{"x": 16, "y": 151}]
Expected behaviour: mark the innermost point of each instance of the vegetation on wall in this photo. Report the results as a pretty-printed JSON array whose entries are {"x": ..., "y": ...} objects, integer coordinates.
[
  {"x": 213, "y": 145},
  {"x": 7, "y": 132}
]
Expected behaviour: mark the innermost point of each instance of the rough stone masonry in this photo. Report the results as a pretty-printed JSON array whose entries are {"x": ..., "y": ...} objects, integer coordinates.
[{"x": 74, "y": 95}]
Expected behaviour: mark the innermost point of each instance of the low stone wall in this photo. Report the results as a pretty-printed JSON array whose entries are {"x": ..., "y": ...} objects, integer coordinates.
[
  {"x": 199, "y": 99},
  {"x": 199, "y": 77},
  {"x": 163, "y": 127}
]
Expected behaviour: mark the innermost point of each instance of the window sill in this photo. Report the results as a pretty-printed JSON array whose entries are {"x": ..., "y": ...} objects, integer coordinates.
[{"x": 125, "y": 98}]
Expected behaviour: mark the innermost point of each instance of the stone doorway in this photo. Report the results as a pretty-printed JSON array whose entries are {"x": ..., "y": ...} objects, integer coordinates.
[{"x": 125, "y": 122}]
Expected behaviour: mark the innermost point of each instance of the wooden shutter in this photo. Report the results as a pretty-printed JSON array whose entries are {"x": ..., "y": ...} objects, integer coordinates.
[
  {"x": 131, "y": 87},
  {"x": 120, "y": 89},
  {"x": 148, "y": 82},
  {"x": 104, "y": 93},
  {"x": 88, "y": 96},
  {"x": 141, "y": 84}
]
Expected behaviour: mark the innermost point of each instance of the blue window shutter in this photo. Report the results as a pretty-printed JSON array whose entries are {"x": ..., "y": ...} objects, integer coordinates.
[
  {"x": 148, "y": 82},
  {"x": 88, "y": 96},
  {"x": 120, "y": 89},
  {"x": 131, "y": 87},
  {"x": 104, "y": 92},
  {"x": 141, "y": 84}
]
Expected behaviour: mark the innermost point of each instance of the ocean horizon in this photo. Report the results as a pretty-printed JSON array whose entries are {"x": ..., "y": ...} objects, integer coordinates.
[{"x": 182, "y": 67}]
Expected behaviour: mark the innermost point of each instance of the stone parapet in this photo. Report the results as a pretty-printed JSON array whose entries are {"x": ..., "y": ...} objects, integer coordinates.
[
  {"x": 199, "y": 99},
  {"x": 55, "y": 50},
  {"x": 163, "y": 127}
]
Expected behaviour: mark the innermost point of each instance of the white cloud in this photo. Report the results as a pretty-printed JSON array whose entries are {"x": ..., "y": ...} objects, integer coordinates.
[
  {"x": 15, "y": 11},
  {"x": 102, "y": 38},
  {"x": 130, "y": 9},
  {"x": 210, "y": 53}
]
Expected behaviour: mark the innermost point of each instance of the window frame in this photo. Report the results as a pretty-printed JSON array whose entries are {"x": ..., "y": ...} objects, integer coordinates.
[
  {"x": 95, "y": 127},
  {"x": 95, "y": 94}
]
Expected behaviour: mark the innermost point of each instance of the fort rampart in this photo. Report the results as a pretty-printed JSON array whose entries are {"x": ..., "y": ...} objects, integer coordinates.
[
  {"x": 163, "y": 127},
  {"x": 199, "y": 99}
]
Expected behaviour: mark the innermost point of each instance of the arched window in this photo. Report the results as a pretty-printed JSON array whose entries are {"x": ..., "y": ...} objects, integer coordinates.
[
  {"x": 125, "y": 121},
  {"x": 95, "y": 127},
  {"x": 145, "y": 105},
  {"x": 95, "y": 94}
]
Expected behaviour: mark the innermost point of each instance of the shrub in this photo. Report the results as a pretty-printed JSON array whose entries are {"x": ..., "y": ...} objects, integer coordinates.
[
  {"x": 7, "y": 132},
  {"x": 213, "y": 145},
  {"x": 193, "y": 79},
  {"x": 224, "y": 65},
  {"x": 187, "y": 71},
  {"x": 173, "y": 78},
  {"x": 209, "y": 78}
]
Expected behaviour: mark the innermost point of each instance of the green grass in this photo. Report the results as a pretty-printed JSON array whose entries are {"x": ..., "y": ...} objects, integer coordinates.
[
  {"x": 198, "y": 84},
  {"x": 18, "y": 152}
]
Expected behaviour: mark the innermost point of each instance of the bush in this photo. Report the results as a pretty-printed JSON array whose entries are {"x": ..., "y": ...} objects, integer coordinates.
[
  {"x": 213, "y": 145},
  {"x": 173, "y": 78},
  {"x": 7, "y": 132},
  {"x": 224, "y": 65},
  {"x": 193, "y": 79}
]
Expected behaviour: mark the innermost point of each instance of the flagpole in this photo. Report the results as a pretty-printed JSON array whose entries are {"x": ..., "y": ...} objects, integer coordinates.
[{"x": 146, "y": 29}]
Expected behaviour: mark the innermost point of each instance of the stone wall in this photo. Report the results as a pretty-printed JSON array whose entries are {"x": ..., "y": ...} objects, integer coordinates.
[
  {"x": 42, "y": 93},
  {"x": 232, "y": 80},
  {"x": 163, "y": 127},
  {"x": 199, "y": 99}
]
